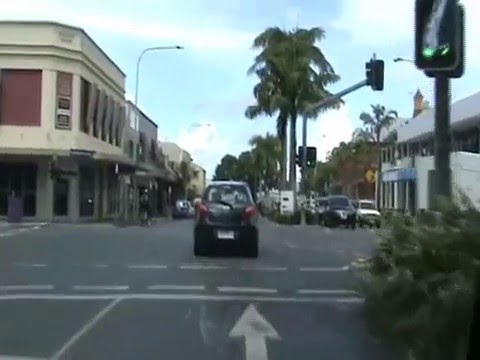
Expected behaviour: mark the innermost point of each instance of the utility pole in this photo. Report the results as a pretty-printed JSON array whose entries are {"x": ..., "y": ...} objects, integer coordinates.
[{"x": 440, "y": 53}]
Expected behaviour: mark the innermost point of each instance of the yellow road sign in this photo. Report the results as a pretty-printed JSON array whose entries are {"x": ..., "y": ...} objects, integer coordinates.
[{"x": 371, "y": 176}]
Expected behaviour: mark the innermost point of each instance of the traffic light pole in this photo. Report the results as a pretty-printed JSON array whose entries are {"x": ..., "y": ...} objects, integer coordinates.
[{"x": 442, "y": 137}]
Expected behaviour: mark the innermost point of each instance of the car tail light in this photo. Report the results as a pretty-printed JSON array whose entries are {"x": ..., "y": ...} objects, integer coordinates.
[
  {"x": 202, "y": 211},
  {"x": 249, "y": 213}
]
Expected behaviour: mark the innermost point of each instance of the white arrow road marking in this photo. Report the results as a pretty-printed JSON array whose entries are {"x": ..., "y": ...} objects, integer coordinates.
[{"x": 255, "y": 329}]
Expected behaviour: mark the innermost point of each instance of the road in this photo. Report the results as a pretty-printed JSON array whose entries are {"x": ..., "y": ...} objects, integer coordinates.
[{"x": 100, "y": 292}]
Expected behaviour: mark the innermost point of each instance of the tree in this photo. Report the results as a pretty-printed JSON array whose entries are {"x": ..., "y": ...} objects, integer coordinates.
[
  {"x": 374, "y": 124},
  {"x": 267, "y": 157},
  {"x": 226, "y": 169},
  {"x": 293, "y": 74},
  {"x": 186, "y": 175}
]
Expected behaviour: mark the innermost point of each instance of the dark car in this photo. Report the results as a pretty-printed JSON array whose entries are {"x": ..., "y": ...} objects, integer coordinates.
[
  {"x": 226, "y": 220},
  {"x": 340, "y": 211}
]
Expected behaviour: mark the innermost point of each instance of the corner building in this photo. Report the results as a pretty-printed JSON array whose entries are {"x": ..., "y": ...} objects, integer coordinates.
[{"x": 62, "y": 111}]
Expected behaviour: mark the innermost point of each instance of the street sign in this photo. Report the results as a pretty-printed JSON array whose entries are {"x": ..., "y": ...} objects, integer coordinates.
[{"x": 371, "y": 176}]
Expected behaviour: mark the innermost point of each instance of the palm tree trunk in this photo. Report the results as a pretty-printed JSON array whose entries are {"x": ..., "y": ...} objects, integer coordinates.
[
  {"x": 284, "y": 161},
  {"x": 293, "y": 152}
]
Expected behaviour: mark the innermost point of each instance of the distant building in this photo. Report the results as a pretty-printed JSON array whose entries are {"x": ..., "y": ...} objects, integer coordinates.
[{"x": 198, "y": 181}]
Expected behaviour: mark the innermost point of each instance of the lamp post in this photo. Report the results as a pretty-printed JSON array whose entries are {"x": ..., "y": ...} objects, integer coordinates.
[{"x": 137, "y": 80}]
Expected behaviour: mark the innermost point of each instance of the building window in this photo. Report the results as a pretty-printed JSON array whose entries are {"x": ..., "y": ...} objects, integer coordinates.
[
  {"x": 87, "y": 190},
  {"x": 95, "y": 113},
  {"x": 21, "y": 97},
  {"x": 64, "y": 97},
  {"x": 22, "y": 179},
  {"x": 60, "y": 196},
  {"x": 84, "y": 96}
]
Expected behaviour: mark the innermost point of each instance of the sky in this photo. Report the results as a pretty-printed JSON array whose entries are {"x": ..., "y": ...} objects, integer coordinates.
[{"x": 198, "y": 95}]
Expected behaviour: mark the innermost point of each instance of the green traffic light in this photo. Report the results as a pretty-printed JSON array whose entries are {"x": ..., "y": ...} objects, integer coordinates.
[{"x": 428, "y": 52}]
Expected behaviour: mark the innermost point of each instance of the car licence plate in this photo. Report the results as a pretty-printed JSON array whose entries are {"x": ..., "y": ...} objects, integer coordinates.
[{"x": 226, "y": 235}]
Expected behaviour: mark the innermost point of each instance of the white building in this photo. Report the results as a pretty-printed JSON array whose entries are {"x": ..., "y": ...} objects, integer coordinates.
[{"x": 408, "y": 165}]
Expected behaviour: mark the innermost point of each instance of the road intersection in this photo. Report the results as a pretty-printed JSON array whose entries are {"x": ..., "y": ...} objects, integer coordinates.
[{"x": 98, "y": 292}]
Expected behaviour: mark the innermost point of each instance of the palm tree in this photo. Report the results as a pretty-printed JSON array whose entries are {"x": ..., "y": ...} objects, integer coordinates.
[
  {"x": 186, "y": 175},
  {"x": 267, "y": 158},
  {"x": 373, "y": 125},
  {"x": 293, "y": 73}
]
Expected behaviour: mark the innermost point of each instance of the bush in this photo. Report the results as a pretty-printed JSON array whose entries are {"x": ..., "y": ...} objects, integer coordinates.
[{"x": 419, "y": 287}]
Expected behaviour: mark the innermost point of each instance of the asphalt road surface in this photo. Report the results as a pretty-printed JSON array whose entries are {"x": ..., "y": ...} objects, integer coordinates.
[{"x": 100, "y": 292}]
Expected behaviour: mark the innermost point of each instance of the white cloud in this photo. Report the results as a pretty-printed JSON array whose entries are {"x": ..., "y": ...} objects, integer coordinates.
[
  {"x": 205, "y": 144},
  {"x": 192, "y": 35},
  {"x": 329, "y": 130},
  {"x": 390, "y": 23}
]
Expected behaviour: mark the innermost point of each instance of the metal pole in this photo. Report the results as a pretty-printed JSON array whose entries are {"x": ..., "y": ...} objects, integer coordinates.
[
  {"x": 442, "y": 137},
  {"x": 304, "y": 158},
  {"x": 339, "y": 95}
]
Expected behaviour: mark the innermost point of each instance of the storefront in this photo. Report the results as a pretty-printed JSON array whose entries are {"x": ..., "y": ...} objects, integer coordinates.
[{"x": 399, "y": 187}]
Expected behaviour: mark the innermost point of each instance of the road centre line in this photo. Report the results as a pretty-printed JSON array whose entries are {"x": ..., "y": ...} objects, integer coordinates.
[
  {"x": 183, "y": 297},
  {"x": 234, "y": 289},
  {"x": 10, "y": 357},
  {"x": 202, "y": 267},
  {"x": 30, "y": 265},
  {"x": 263, "y": 268},
  {"x": 85, "y": 329},
  {"x": 100, "y": 287},
  {"x": 339, "y": 292},
  {"x": 325, "y": 269},
  {"x": 26, "y": 287},
  {"x": 177, "y": 287},
  {"x": 147, "y": 266}
]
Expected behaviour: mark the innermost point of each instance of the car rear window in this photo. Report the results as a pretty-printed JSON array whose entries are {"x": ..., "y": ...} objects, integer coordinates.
[
  {"x": 232, "y": 194},
  {"x": 339, "y": 202}
]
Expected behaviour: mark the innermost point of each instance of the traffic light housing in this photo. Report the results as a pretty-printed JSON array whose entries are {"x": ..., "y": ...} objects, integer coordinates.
[
  {"x": 437, "y": 39},
  {"x": 459, "y": 70},
  {"x": 375, "y": 73},
  {"x": 311, "y": 156}
]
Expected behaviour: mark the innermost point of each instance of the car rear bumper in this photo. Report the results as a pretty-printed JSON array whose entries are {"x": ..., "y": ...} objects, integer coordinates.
[{"x": 241, "y": 232}]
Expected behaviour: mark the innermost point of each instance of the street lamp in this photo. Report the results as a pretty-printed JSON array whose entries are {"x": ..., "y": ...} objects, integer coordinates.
[{"x": 139, "y": 60}]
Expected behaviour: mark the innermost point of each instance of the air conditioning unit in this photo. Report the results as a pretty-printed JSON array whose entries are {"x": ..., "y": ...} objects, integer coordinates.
[{"x": 63, "y": 119}]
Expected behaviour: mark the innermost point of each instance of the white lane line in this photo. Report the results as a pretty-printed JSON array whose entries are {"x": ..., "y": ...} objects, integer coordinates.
[
  {"x": 234, "y": 289},
  {"x": 85, "y": 329},
  {"x": 338, "y": 292},
  {"x": 184, "y": 297},
  {"x": 202, "y": 267},
  {"x": 147, "y": 267},
  {"x": 101, "y": 266},
  {"x": 177, "y": 287},
  {"x": 325, "y": 269},
  {"x": 327, "y": 230},
  {"x": 11, "y": 357},
  {"x": 30, "y": 265},
  {"x": 26, "y": 287},
  {"x": 263, "y": 268},
  {"x": 100, "y": 287}
]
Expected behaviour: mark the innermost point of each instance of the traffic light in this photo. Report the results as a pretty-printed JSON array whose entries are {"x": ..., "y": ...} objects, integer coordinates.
[
  {"x": 299, "y": 156},
  {"x": 458, "y": 71},
  {"x": 437, "y": 39},
  {"x": 311, "y": 156},
  {"x": 374, "y": 71}
]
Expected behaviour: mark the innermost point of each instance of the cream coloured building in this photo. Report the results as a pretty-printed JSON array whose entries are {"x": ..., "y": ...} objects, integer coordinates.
[{"x": 62, "y": 122}]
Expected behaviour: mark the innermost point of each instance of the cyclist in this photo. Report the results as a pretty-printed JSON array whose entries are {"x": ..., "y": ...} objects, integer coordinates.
[{"x": 145, "y": 209}]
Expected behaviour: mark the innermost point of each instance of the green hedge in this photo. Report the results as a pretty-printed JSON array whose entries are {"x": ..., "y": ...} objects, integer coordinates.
[{"x": 419, "y": 287}]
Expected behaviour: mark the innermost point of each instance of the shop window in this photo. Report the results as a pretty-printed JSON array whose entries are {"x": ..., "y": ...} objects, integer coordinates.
[{"x": 20, "y": 178}]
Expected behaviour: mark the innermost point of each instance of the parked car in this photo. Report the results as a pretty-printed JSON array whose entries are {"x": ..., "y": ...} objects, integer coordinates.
[
  {"x": 340, "y": 211},
  {"x": 183, "y": 210},
  {"x": 368, "y": 214},
  {"x": 226, "y": 220}
]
